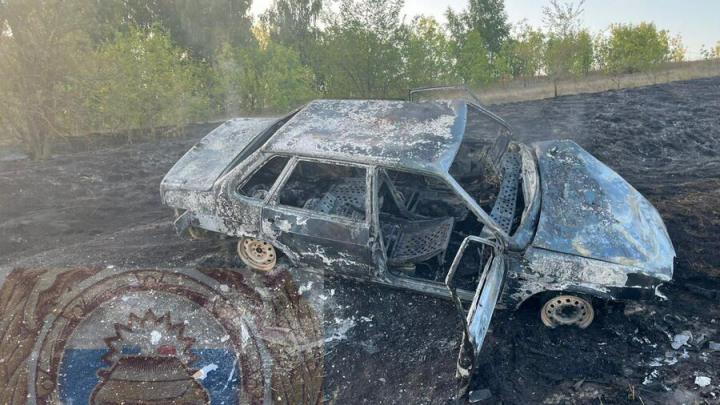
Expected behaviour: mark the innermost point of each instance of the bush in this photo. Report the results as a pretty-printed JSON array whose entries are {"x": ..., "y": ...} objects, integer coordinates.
[
  {"x": 42, "y": 66},
  {"x": 144, "y": 81},
  {"x": 265, "y": 77},
  {"x": 634, "y": 48}
]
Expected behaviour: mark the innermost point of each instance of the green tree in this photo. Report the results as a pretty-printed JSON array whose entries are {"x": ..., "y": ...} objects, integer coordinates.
[
  {"x": 677, "y": 49},
  {"x": 481, "y": 28},
  {"x": 265, "y": 77},
  {"x": 43, "y": 60},
  {"x": 427, "y": 54},
  {"x": 522, "y": 53},
  {"x": 473, "y": 64},
  {"x": 201, "y": 26},
  {"x": 711, "y": 53},
  {"x": 583, "y": 55},
  {"x": 487, "y": 18},
  {"x": 563, "y": 18},
  {"x": 360, "y": 54},
  {"x": 634, "y": 48},
  {"x": 293, "y": 23},
  {"x": 559, "y": 52},
  {"x": 569, "y": 48},
  {"x": 144, "y": 81}
]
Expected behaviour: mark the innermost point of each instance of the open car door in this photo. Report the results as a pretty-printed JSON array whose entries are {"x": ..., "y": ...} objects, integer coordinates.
[{"x": 477, "y": 321}]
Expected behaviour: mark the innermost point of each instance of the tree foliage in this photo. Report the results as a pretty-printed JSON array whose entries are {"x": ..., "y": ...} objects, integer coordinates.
[
  {"x": 293, "y": 23},
  {"x": 569, "y": 48},
  {"x": 42, "y": 66},
  {"x": 711, "y": 53},
  {"x": 487, "y": 18},
  {"x": 634, "y": 48},
  {"x": 473, "y": 64},
  {"x": 360, "y": 52},
  {"x": 427, "y": 54},
  {"x": 199, "y": 26},
  {"x": 260, "y": 78},
  {"x": 143, "y": 81},
  {"x": 563, "y": 19},
  {"x": 80, "y": 66},
  {"x": 522, "y": 54}
]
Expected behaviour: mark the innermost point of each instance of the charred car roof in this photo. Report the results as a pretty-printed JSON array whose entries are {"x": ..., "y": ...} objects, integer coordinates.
[{"x": 418, "y": 136}]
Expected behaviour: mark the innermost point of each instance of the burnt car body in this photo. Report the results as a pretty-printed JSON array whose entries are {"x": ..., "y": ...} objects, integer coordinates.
[{"x": 430, "y": 196}]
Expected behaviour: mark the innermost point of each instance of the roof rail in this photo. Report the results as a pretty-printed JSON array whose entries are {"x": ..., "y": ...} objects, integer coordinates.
[
  {"x": 427, "y": 89},
  {"x": 475, "y": 100}
]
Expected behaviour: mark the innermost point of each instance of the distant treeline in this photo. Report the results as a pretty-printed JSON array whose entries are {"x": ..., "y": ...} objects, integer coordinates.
[{"x": 79, "y": 66}]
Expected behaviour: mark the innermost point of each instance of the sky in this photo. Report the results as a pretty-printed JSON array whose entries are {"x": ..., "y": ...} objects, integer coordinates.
[{"x": 697, "y": 21}]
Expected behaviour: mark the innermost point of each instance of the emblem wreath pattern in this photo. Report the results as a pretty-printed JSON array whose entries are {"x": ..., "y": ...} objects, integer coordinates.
[{"x": 42, "y": 308}]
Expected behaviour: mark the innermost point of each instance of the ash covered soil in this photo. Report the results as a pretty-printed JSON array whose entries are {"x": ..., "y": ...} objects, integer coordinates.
[{"x": 101, "y": 207}]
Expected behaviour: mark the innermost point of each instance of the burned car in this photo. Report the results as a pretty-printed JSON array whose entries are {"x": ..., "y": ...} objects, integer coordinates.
[{"x": 431, "y": 196}]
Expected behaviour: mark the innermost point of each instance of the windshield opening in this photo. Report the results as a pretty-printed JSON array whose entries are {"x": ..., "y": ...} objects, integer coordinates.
[{"x": 488, "y": 167}]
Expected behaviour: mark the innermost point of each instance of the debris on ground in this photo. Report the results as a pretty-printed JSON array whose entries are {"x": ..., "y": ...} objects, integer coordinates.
[
  {"x": 632, "y": 308},
  {"x": 681, "y": 339},
  {"x": 702, "y": 381},
  {"x": 479, "y": 395}
]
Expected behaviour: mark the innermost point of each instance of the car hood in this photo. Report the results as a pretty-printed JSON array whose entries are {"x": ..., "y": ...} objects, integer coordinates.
[
  {"x": 198, "y": 169},
  {"x": 588, "y": 210}
]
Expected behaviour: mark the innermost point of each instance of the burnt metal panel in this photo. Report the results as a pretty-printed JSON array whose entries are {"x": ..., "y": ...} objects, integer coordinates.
[
  {"x": 198, "y": 169},
  {"x": 483, "y": 306},
  {"x": 588, "y": 210},
  {"x": 322, "y": 240},
  {"x": 416, "y": 136},
  {"x": 531, "y": 195},
  {"x": 539, "y": 270}
]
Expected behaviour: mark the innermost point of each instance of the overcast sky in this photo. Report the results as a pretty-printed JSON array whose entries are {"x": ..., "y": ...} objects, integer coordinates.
[{"x": 698, "y": 21}]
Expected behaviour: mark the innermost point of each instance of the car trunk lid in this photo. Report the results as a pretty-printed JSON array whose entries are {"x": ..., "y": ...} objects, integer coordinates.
[{"x": 205, "y": 162}]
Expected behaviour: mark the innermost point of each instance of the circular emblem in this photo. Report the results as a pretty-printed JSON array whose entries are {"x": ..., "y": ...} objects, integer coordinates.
[{"x": 151, "y": 336}]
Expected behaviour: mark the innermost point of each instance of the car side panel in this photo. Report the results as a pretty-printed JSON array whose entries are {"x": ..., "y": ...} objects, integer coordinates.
[{"x": 320, "y": 240}]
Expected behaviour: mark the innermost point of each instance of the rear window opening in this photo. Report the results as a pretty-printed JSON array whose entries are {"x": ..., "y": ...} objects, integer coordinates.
[{"x": 260, "y": 182}]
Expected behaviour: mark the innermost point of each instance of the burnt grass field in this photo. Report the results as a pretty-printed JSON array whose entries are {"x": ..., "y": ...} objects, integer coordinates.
[{"x": 100, "y": 207}]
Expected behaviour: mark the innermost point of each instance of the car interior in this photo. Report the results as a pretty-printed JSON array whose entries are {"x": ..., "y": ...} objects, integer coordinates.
[
  {"x": 328, "y": 188},
  {"x": 422, "y": 220}
]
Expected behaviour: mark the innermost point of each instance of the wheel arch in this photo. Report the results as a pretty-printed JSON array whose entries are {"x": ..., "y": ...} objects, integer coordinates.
[{"x": 545, "y": 293}]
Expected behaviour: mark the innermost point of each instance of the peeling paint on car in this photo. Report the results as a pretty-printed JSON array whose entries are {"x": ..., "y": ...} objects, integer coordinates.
[
  {"x": 589, "y": 210},
  {"x": 569, "y": 223},
  {"x": 580, "y": 209},
  {"x": 423, "y": 136}
]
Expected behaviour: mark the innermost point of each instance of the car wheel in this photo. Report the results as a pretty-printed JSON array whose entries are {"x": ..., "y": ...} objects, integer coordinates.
[
  {"x": 257, "y": 254},
  {"x": 567, "y": 310}
]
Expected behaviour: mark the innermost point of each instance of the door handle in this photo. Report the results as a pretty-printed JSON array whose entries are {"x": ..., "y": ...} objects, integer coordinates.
[{"x": 271, "y": 220}]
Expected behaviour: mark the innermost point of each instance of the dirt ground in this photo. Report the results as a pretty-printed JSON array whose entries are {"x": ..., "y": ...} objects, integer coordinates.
[{"x": 100, "y": 207}]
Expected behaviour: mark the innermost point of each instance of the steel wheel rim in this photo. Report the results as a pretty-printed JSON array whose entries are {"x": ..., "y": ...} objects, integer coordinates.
[
  {"x": 257, "y": 254},
  {"x": 567, "y": 310}
]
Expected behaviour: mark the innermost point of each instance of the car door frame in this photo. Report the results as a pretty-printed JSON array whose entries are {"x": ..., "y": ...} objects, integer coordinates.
[
  {"x": 476, "y": 322},
  {"x": 244, "y": 211},
  {"x": 384, "y": 275},
  {"x": 331, "y": 253}
]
